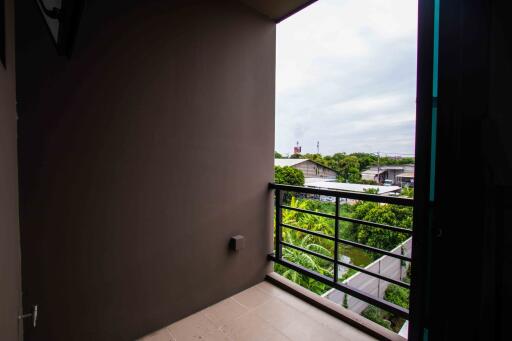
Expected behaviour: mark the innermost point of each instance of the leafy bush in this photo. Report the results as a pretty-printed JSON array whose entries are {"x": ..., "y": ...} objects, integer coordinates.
[
  {"x": 397, "y": 295},
  {"x": 408, "y": 192},
  {"x": 374, "y": 314},
  {"x": 394, "y": 294}
]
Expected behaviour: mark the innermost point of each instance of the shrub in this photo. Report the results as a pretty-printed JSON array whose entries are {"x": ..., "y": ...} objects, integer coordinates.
[
  {"x": 397, "y": 295},
  {"x": 345, "y": 301},
  {"x": 374, "y": 314}
]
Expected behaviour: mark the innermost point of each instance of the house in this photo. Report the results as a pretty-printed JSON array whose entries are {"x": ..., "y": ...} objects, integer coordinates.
[
  {"x": 313, "y": 171},
  {"x": 405, "y": 179},
  {"x": 101, "y": 229},
  {"x": 382, "y": 173}
]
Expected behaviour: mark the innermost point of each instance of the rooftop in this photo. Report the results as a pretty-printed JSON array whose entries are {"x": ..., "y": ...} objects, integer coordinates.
[
  {"x": 288, "y": 162},
  {"x": 293, "y": 162},
  {"x": 352, "y": 187},
  {"x": 375, "y": 169}
]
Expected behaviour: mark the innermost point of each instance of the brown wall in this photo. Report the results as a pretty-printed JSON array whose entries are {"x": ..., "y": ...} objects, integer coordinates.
[
  {"x": 9, "y": 232},
  {"x": 116, "y": 242}
]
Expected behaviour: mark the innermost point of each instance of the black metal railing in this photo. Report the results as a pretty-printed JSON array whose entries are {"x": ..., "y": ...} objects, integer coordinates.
[{"x": 333, "y": 281}]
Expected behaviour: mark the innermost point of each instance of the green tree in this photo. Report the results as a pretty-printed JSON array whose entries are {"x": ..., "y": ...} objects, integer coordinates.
[
  {"x": 383, "y": 214},
  {"x": 349, "y": 169},
  {"x": 365, "y": 160},
  {"x": 338, "y": 156},
  {"x": 303, "y": 259},
  {"x": 288, "y": 176},
  {"x": 408, "y": 192},
  {"x": 277, "y": 155}
]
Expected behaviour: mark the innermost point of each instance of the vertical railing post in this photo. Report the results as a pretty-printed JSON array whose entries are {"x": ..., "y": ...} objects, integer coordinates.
[
  {"x": 336, "y": 237},
  {"x": 279, "y": 221}
]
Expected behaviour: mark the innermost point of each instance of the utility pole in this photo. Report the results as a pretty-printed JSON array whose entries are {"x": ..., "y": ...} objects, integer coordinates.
[
  {"x": 378, "y": 167},
  {"x": 318, "y": 147}
]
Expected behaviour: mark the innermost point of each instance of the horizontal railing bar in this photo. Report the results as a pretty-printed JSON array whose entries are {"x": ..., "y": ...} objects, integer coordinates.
[
  {"x": 376, "y": 301},
  {"x": 348, "y": 265},
  {"x": 373, "y": 274},
  {"x": 345, "y": 194},
  {"x": 352, "y": 220},
  {"x": 313, "y": 253},
  {"x": 374, "y": 249},
  {"x": 377, "y": 225},
  {"x": 320, "y": 214},
  {"x": 313, "y": 233},
  {"x": 348, "y": 242}
]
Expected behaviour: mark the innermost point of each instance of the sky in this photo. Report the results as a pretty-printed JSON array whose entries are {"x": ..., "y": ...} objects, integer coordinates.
[{"x": 346, "y": 77}]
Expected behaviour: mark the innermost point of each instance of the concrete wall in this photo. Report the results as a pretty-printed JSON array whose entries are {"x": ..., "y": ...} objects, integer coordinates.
[
  {"x": 115, "y": 242},
  {"x": 9, "y": 231},
  {"x": 386, "y": 266}
]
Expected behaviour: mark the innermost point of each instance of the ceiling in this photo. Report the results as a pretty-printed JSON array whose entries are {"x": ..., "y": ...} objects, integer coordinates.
[{"x": 277, "y": 10}]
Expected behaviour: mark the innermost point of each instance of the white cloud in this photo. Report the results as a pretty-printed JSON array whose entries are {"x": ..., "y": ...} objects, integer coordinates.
[{"x": 346, "y": 75}]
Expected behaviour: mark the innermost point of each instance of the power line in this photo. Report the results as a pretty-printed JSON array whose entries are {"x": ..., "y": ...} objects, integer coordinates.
[{"x": 390, "y": 153}]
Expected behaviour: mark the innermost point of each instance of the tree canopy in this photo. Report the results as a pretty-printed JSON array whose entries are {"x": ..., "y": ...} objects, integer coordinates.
[
  {"x": 393, "y": 215},
  {"x": 350, "y": 166},
  {"x": 288, "y": 176}
]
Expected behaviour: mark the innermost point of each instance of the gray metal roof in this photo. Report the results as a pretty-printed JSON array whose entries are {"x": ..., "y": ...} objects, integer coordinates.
[
  {"x": 352, "y": 187},
  {"x": 288, "y": 162},
  {"x": 405, "y": 175},
  {"x": 293, "y": 162}
]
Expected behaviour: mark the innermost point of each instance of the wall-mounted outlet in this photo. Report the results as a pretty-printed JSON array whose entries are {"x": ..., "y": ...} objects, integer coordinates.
[{"x": 237, "y": 243}]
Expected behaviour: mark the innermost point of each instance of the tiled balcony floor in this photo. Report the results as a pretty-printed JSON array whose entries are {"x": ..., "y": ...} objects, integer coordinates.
[{"x": 262, "y": 312}]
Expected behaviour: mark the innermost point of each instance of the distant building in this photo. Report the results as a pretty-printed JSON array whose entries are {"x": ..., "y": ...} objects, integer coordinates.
[
  {"x": 313, "y": 171},
  {"x": 297, "y": 149},
  {"x": 405, "y": 179},
  {"x": 402, "y": 175},
  {"x": 349, "y": 187}
]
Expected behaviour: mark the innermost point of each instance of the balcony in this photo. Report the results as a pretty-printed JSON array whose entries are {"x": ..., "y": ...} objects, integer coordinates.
[
  {"x": 268, "y": 312},
  {"x": 279, "y": 309},
  {"x": 314, "y": 243},
  {"x": 128, "y": 165}
]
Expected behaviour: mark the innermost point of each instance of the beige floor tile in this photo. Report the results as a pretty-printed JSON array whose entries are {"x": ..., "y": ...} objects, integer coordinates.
[
  {"x": 194, "y": 327},
  {"x": 271, "y": 289},
  {"x": 250, "y": 327},
  {"x": 252, "y": 297},
  {"x": 352, "y": 333},
  {"x": 224, "y": 311},
  {"x": 307, "y": 329},
  {"x": 260, "y": 313},
  {"x": 216, "y": 335},
  {"x": 295, "y": 302},
  {"x": 277, "y": 313},
  {"x": 338, "y": 326},
  {"x": 161, "y": 335}
]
